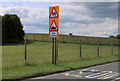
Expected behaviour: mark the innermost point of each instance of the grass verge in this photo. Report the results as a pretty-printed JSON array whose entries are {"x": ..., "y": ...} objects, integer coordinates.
[{"x": 39, "y": 58}]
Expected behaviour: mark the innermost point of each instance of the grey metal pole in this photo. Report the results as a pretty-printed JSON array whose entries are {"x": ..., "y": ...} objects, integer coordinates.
[
  {"x": 55, "y": 51},
  {"x": 52, "y": 50}
]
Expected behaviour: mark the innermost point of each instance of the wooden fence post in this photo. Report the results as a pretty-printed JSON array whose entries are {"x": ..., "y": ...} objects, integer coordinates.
[
  {"x": 32, "y": 37},
  {"x": 25, "y": 51},
  {"x": 43, "y": 38},
  {"x": 112, "y": 44},
  {"x": 98, "y": 41},
  {"x": 63, "y": 38},
  {"x": 80, "y": 48}
]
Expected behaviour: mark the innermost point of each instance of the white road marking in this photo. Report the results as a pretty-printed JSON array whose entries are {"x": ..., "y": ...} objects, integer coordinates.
[
  {"x": 80, "y": 72},
  {"x": 109, "y": 76},
  {"x": 103, "y": 75},
  {"x": 95, "y": 74},
  {"x": 74, "y": 75},
  {"x": 98, "y": 75},
  {"x": 67, "y": 74},
  {"x": 93, "y": 70},
  {"x": 78, "y": 76},
  {"x": 118, "y": 78}
]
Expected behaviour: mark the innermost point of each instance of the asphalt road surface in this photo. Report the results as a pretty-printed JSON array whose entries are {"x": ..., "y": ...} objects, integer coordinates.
[{"x": 101, "y": 72}]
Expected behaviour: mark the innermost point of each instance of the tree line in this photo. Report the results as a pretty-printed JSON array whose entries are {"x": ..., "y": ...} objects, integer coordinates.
[
  {"x": 117, "y": 36},
  {"x": 12, "y": 29}
]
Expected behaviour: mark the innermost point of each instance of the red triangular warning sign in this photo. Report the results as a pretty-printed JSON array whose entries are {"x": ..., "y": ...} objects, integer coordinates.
[
  {"x": 53, "y": 13},
  {"x": 53, "y": 26}
]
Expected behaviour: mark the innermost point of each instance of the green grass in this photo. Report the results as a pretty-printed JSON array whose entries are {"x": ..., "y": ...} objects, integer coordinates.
[
  {"x": 73, "y": 39},
  {"x": 39, "y": 58}
]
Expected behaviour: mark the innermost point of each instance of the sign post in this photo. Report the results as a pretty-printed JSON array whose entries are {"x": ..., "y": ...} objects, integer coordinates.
[
  {"x": 54, "y": 30},
  {"x": 53, "y": 51}
]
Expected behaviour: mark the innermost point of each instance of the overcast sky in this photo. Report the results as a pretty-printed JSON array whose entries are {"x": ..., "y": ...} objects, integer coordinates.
[{"x": 80, "y": 18}]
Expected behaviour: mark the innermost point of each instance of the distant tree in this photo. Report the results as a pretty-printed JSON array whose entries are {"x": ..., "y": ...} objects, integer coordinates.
[
  {"x": 12, "y": 29},
  {"x": 0, "y": 29},
  {"x": 118, "y": 36},
  {"x": 70, "y": 34},
  {"x": 111, "y": 36}
]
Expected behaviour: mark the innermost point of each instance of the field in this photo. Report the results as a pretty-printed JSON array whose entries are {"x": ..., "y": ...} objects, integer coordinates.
[
  {"x": 73, "y": 39},
  {"x": 39, "y": 58}
]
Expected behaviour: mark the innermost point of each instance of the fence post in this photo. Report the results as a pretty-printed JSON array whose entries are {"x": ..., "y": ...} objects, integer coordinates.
[
  {"x": 112, "y": 44},
  {"x": 63, "y": 38},
  {"x": 43, "y": 37},
  {"x": 74, "y": 39},
  {"x": 32, "y": 37},
  {"x": 25, "y": 51},
  {"x": 80, "y": 48},
  {"x": 98, "y": 47},
  {"x": 48, "y": 40}
]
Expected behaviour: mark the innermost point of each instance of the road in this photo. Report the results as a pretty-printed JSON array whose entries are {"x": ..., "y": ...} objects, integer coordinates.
[{"x": 108, "y": 71}]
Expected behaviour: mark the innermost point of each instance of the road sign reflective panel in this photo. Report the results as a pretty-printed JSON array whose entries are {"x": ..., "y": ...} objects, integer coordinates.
[
  {"x": 54, "y": 13},
  {"x": 53, "y": 26},
  {"x": 54, "y": 22}
]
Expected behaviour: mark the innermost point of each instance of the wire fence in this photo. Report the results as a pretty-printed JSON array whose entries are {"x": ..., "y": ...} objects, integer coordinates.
[
  {"x": 80, "y": 45},
  {"x": 70, "y": 49}
]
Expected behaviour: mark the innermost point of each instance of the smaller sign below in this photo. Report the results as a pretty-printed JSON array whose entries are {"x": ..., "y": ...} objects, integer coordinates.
[{"x": 53, "y": 33}]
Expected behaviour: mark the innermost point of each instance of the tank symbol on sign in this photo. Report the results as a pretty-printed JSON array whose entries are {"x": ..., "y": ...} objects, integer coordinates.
[
  {"x": 53, "y": 27},
  {"x": 53, "y": 14}
]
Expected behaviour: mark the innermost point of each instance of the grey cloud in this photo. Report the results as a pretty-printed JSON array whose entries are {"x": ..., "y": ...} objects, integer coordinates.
[
  {"x": 93, "y": 21},
  {"x": 98, "y": 9},
  {"x": 103, "y": 9}
]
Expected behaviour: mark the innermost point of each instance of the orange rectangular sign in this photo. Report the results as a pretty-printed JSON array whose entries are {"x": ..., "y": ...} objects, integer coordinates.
[{"x": 54, "y": 22}]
